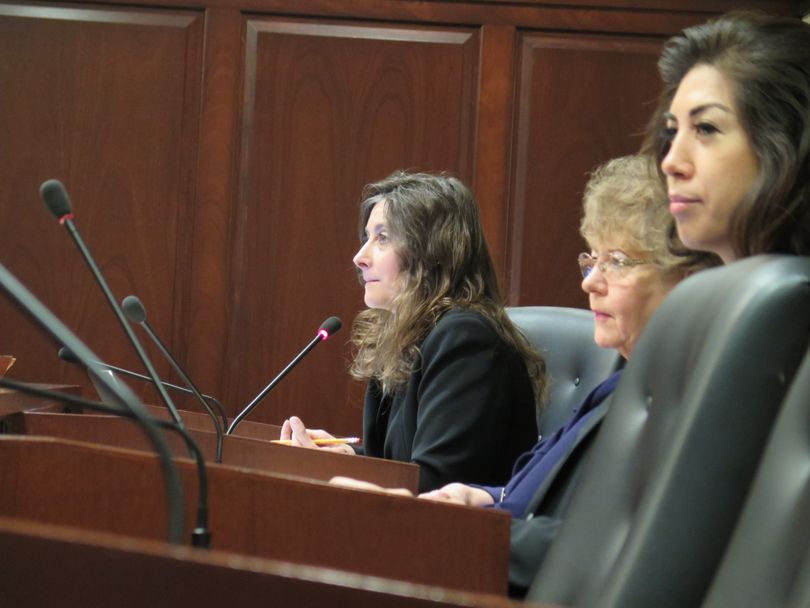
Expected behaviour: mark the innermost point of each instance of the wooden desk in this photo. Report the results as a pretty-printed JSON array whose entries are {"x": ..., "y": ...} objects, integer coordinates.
[
  {"x": 252, "y": 513},
  {"x": 203, "y": 422},
  {"x": 236, "y": 451},
  {"x": 45, "y": 565},
  {"x": 11, "y": 401}
]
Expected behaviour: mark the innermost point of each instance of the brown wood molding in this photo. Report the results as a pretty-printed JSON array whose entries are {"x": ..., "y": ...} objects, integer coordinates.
[
  {"x": 594, "y": 15},
  {"x": 559, "y": 138},
  {"x": 244, "y": 452}
]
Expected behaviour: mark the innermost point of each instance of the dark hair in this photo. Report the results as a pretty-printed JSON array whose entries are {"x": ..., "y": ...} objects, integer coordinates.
[
  {"x": 767, "y": 61},
  {"x": 434, "y": 223}
]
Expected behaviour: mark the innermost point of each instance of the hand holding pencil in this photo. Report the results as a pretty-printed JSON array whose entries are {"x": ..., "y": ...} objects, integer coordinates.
[
  {"x": 321, "y": 441},
  {"x": 295, "y": 433}
]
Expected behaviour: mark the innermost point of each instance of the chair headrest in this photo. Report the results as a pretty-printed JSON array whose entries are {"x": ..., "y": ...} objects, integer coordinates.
[{"x": 574, "y": 363}]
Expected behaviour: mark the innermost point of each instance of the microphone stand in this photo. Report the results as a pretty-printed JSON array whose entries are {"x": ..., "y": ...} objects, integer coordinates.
[
  {"x": 57, "y": 201},
  {"x": 136, "y": 313},
  {"x": 48, "y": 321},
  {"x": 201, "y": 535},
  {"x": 67, "y": 356},
  {"x": 327, "y": 328}
]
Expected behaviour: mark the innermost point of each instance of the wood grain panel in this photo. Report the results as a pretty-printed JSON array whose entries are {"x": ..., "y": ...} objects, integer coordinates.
[
  {"x": 259, "y": 514},
  {"x": 494, "y": 136},
  {"x": 46, "y": 565},
  {"x": 582, "y": 100},
  {"x": 329, "y": 107},
  {"x": 107, "y": 101},
  {"x": 201, "y": 333},
  {"x": 630, "y": 16}
]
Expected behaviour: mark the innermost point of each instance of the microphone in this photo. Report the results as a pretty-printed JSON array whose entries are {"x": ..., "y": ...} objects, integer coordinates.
[
  {"x": 48, "y": 321},
  {"x": 66, "y": 355},
  {"x": 325, "y": 331},
  {"x": 55, "y": 196},
  {"x": 201, "y": 535},
  {"x": 136, "y": 313}
]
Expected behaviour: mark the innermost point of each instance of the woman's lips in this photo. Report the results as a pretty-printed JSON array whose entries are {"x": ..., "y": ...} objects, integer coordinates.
[{"x": 679, "y": 203}]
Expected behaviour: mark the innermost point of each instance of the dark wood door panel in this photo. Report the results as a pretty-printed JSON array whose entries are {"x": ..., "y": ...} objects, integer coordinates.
[
  {"x": 329, "y": 107},
  {"x": 581, "y": 101},
  {"x": 107, "y": 101}
]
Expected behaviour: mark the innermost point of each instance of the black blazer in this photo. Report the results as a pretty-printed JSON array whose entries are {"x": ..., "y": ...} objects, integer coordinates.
[{"x": 466, "y": 413}]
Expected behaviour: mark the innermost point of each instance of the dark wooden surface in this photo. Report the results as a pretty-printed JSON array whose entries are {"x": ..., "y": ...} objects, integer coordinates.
[
  {"x": 560, "y": 139},
  {"x": 12, "y": 401},
  {"x": 46, "y": 565},
  {"x": 237, "y": 451},
  {"x": 114, "y": 490}
]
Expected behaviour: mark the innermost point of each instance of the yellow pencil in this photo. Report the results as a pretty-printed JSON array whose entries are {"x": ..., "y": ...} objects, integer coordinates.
[{"x": 328, "y": 441}]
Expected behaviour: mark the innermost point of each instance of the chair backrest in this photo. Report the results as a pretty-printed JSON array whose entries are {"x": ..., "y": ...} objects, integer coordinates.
[
  {"x": 670, "y": 467},
  {"x": 575, "y": 364},
  {"x": 767, "y": 562}
]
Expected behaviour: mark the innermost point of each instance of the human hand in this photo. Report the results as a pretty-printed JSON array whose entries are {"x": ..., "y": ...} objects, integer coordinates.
[
  {"x": 459, "y": 494},
  {"x": 359, "y": 484},
  {"x": 295, "y": 431}
]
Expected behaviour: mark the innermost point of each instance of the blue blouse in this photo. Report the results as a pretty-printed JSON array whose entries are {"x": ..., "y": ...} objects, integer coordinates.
[{"x": 532, "y": 467}]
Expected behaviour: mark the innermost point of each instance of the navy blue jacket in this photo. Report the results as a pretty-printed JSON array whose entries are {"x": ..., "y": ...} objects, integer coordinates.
[{"x": 553, "y": 485}]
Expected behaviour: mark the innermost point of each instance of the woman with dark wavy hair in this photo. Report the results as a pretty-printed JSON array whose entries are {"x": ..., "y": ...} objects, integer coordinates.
[
  {"x": 452, "y": 385},
  {"x": 732, "y": 135}
]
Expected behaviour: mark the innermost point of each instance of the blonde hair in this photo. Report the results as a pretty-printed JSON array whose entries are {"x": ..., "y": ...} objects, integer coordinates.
[{"x": 625, "y": 197}]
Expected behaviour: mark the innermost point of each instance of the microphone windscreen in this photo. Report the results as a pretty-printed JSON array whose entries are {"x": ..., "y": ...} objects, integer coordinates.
[
  {"x": 56, "y": 198},
  {"x": 330, "y": 326},
  {"x": 134, "y": 309},
  {"x": 68, "y": 355}
]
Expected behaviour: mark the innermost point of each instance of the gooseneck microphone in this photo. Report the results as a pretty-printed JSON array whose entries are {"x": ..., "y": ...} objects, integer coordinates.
[
  {"x": 66, "y": 355},
  {"x": 55, "y": 196},
  {"x": 48, "y": 321},
  {"x": 327, "y": 328},
  {"x": 201, "y": 535},
  {"x": 136, "y": 313}
]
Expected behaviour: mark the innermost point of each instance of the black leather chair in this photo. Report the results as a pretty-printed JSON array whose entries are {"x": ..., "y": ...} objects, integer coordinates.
[
  {"x": 767, "y": 562},
  {"x": 575, "y": 364},
  {"x": 669, "y": 471}
]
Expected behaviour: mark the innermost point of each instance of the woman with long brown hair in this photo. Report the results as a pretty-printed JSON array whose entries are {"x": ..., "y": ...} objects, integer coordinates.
[
  {"x": 452, "y": 385},
  {"x": 732, "y": 135}
]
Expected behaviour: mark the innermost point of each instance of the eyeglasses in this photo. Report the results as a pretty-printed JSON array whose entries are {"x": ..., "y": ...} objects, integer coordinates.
[{"x": 612, "y": 264}]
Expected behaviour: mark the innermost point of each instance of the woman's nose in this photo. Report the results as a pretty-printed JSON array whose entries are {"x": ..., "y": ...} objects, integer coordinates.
[
  {"x": 594, "y": 282},
  {"x": 360, "y": 258},
  {"x": 677, "y": 162}
]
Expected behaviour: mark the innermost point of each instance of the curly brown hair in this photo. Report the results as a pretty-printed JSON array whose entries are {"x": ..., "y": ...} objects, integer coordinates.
[{"x": 434, "y": 223}]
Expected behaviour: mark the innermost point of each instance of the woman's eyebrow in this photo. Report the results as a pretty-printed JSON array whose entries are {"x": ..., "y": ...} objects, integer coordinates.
[{"x": 700, "y": 109}]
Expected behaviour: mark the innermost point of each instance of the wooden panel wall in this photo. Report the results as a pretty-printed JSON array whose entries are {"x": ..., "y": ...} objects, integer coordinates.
[
  {"x": 215, "y": 156},
  {"x": 582, "y": 99},
  {"x": 107, "y": 100}
]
